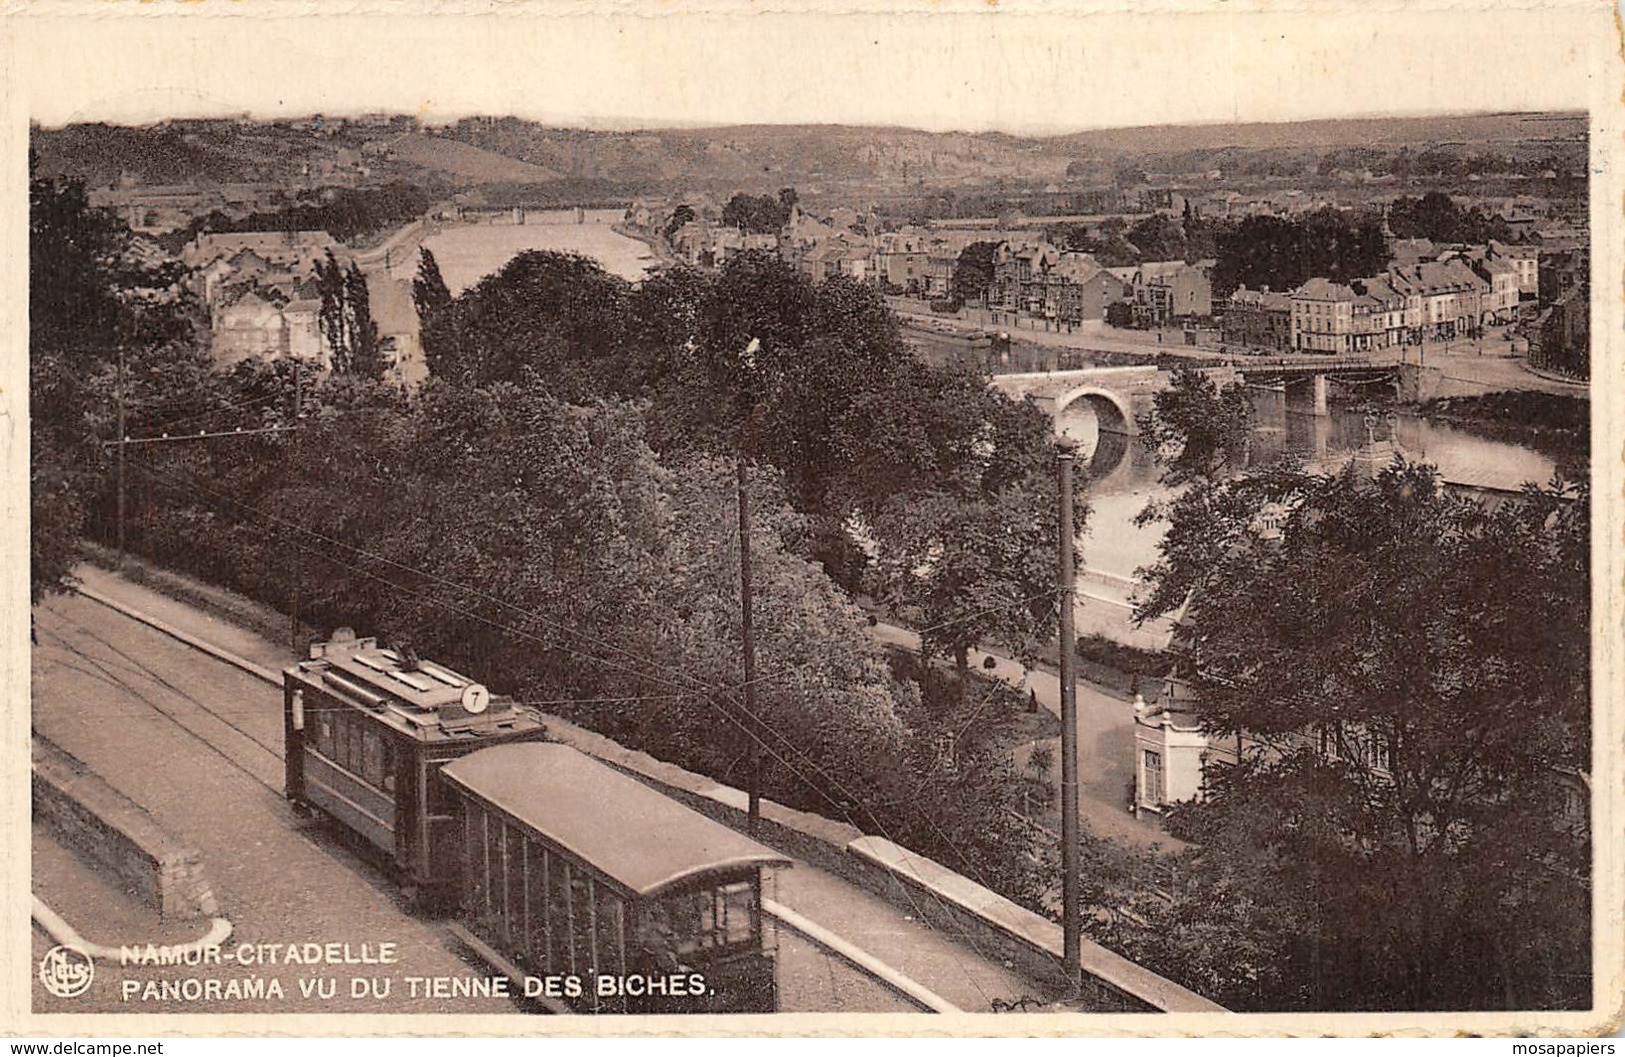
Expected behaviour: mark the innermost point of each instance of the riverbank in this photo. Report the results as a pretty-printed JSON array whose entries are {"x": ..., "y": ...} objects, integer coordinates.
[
  {"x": 1553, "y": 424},
  {"x": 657, "y": 245}
]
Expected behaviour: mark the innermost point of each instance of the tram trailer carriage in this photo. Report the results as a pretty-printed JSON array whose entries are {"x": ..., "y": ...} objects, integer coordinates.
[
  {"x": 576, "y": 870},
  {"x": 366, "y": 732}
]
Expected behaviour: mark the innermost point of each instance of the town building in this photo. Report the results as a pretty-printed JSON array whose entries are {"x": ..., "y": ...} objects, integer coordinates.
[
  {"x": 1525, "y": 261},
  {"x": 1078, "y": 290},
  {"x": 292, "y": 251},
  {"x": 266, "y": 325},
  {"x": 1165, "y": 291},
  {"x": 1560, "y": 340},
  {"x": 1322, "y": 316},
  {"x": 1258, "y": 319},
  {"x": 1018, "y": 271}
]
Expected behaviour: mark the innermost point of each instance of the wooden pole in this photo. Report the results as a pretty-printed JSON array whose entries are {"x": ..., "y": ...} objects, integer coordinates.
[
  {"x": 297, "y": 572},
  {"x": 1071, "y": 931},
  {"x": 752, "y": 748},
  {"x": 119, "y": 396}
]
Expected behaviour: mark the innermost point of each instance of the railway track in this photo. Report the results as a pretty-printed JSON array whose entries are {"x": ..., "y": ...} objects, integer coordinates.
[{"x": 250, "y": 752}]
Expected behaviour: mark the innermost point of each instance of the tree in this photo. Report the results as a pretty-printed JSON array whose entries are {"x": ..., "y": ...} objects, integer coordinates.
[
  {"x": 758, "y": 215},
  {"x": 556, "y": 316},
  {"x": 1404, "y": 801},
  {"x": 346, "y": 320},
  {"x": 1197, "y": 430},
  {"x": 433, "y": 300},
  {"x": 366, "y": 357},
  {"x": 1128, "y": 176},
  {"x": 682, "y": 215},
  {"x": 1159, "y": 237},
  {"x": 975, "y": 567},
  {"x": 1436, "y": 216},
  {"x": 430, "y": 294},
  {"x": 90, "y": 297},
  {"x": 973, "y": 271},
  {"x": 1282, "y": 253}
]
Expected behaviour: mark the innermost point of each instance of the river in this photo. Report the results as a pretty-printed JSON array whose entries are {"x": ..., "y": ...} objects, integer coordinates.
[
  {"x": 468, "y": 253},
  {"x": 1123, "y": 479}
]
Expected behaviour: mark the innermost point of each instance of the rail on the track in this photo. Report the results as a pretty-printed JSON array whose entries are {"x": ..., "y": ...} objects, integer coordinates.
[{"x": 862, "y": 961}]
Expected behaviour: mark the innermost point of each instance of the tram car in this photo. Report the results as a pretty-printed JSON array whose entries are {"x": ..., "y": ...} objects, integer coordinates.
[
  {"x": 366, "y": 731},
  {"x": 592, "y": 891},
  {"x": 578, "y": 872}
]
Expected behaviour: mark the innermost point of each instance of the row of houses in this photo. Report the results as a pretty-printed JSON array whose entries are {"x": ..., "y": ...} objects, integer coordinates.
[
  {"x": 1038, "y": 280},
  {"x": 1462, "y": 291},
  {"x": 259, "y": 291}
]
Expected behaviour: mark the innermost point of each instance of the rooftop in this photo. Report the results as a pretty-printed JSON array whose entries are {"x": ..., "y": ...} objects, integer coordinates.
[{"x": 641, "y": 840}]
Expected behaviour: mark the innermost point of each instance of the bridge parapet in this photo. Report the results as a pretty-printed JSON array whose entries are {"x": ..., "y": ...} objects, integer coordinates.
[{"x": 1116, "y": 395}]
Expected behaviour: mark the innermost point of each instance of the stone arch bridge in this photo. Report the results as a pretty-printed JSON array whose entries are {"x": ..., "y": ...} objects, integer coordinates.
[{"x": 1114, "y": 397}]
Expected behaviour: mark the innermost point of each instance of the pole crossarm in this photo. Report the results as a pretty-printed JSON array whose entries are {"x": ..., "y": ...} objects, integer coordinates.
[{"x": 166, "y": 438}]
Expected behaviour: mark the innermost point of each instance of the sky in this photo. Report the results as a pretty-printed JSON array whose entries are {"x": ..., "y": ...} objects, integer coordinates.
[{"x": 996, "y": 65}]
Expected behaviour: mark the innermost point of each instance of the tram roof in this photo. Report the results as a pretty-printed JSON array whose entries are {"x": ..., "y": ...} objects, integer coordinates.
[{"x": 637, "y": 837}]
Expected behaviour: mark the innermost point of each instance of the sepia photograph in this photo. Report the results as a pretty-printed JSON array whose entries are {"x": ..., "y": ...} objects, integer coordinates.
[{"x": 1002, "y": 554}]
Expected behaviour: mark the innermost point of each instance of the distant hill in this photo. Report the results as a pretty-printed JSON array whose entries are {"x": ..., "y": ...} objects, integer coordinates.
[
  {"x": 462, "y": 163},
  {"x": 759, "y": 155},
  {"x": 510, "y": 152},
  {"x": 1352, "y": 132},
  {"x": 101, "y": 153}
]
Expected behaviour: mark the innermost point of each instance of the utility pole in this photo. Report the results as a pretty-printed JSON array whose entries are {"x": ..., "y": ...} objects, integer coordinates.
[
  {"x": 753, "y": 749},
  {"x": 293, "y": 610},
  {"x": 753, "y": 752},
  {"x": 119, "y": 396},
  {"x": 1071, "y": 931}
]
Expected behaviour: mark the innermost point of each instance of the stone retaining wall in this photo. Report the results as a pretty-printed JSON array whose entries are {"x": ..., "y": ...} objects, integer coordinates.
[
  {"x": 952, "y": 904},
  {"x": 107, "y": 828}
]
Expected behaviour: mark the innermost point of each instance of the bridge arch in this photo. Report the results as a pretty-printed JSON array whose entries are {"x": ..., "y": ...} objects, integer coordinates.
[{"x": 1112, "y": 411}]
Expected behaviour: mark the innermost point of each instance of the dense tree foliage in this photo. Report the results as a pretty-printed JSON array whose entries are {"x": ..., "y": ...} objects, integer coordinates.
[
  {"x": 1436, "y": 216},
  {"x": 346, "y": 213},
  {"x": 973, "y": 272},
  {"x": 545, "y": 546},
  {"x": 346, "y": 319},
  {"x": 1281, "y": 252},
  {"x": 554, "y": 315},
  {"x": 880, "y": 451},
  {"x": 1196, "y": 428},
  {"x": 759, "y": 214},
  {"x": 683, "y": 214},
  {"x": 91, "y": 302},
  {"x": 1407, "y": 673}
]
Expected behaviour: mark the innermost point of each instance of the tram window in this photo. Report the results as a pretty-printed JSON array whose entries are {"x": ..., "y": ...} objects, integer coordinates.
[
  {"x": 341, "y": 739},
  {"x": 538, "y": 893},
  {"x": 324, "y": 733},
  {"x": 387, "y": 754},
  {"x": 493, "y": 871},
  {"x": 683, "y": 919},
  {"x": 712, "y": 918},
  {"x": 558, "y": 915},
  {"x": 581, "y": 917},
  {"x": 514, "y": 847},
  {"x": 372, "y": 757},
  {"x": 611, "y": 958},
  {"x": 474, "y": 858},
  {"x": 441, "y": 800},
  {"x": 738, "y": 906}
]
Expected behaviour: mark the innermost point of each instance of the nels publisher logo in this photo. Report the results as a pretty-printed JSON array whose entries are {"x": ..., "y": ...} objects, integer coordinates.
[{"x": 66, "y": 972}]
